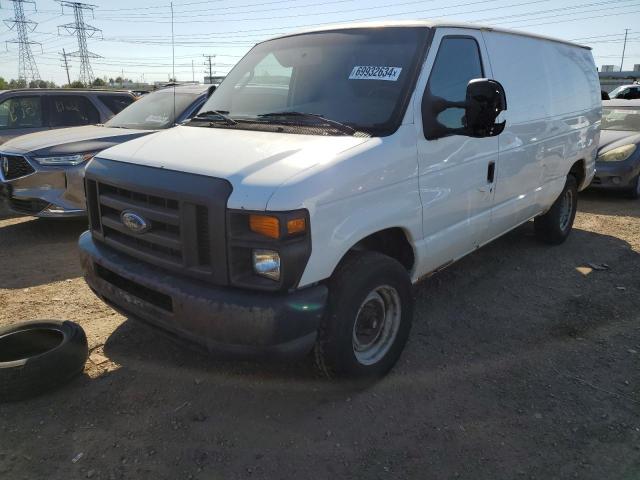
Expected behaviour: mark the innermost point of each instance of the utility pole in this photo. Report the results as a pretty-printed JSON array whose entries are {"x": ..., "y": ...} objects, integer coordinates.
[
  {"x": 173, "y": 48},
  {"x": 624, "y": 48},
  {"x": 209, "y": 57},
  {"x": 193, "y": 73},
  {"x": 82, "y": 31},
  {"x": 27, "y": 68},
  {"x": 66, "y": 66}
]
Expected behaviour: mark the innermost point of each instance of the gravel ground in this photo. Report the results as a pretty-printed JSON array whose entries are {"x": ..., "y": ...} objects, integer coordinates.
[{"x": 521, "y": 364}]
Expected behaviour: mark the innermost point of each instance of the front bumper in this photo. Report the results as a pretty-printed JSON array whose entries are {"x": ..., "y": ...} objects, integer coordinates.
[
  {"x": 223, "y": 320},
  {"x": 616, "y": 175},
  {"x": 46, "y": 192}
]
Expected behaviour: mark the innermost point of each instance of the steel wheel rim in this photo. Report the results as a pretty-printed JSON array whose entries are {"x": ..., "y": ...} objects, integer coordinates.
[
  {"x": 566, "y": 209},
  {"x": 377, "y": 324}
]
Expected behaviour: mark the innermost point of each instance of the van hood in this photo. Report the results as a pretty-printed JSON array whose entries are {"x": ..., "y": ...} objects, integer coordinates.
[
  {"x": 255, "y": 163},
  {"x": 67, "y": 141}
]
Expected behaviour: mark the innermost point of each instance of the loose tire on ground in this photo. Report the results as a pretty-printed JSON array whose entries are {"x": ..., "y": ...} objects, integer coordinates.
[
  {"x": 39, "y": 356},
  {"x": 368, "y": 317},
  {"x": 555, "y": 226}
]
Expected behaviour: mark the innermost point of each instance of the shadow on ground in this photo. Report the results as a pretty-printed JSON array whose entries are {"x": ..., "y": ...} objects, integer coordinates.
[
  {"x": 519, "y": 366},
  {"x": 38, "y": 251},
  {"x": 602, "y": 202}
]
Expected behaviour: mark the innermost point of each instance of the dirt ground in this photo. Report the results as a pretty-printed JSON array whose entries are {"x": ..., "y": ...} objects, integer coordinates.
[{"x": 519, "y": 366}]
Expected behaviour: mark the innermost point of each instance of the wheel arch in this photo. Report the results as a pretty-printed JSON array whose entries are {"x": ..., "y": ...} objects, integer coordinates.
[
  {"x": 579, "y": 170},
  {"x": 394, "y": 242}
]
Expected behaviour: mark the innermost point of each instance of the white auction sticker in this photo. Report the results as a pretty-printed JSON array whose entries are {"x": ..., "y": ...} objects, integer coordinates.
[{"x": 390, "y": 74}]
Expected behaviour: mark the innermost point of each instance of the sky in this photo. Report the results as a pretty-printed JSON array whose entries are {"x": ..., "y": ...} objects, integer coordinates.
[{"x": 135, "y": 36}]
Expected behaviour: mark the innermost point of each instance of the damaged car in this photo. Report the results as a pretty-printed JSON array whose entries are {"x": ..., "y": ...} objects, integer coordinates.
[{"x": 42, "y": 174}]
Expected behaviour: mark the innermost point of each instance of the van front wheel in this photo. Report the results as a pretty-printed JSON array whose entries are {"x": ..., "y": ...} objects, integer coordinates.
[
  {"x": 368, "y": 318},
  {"x": 554, "y": 226}
]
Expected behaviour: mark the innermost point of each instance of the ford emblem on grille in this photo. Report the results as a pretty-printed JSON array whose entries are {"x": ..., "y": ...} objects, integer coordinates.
[{"x": 134, "y": 222}]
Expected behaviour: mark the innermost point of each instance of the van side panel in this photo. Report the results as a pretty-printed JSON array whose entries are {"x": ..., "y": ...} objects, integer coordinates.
[
  {"x": 369, "y": 188},
  {"x": 553, "y": 118}
]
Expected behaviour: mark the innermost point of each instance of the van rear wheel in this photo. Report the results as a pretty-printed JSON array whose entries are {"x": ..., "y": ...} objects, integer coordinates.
[
  {"x": 555, "y": 226},
  {"x": 368, "y": 318}
]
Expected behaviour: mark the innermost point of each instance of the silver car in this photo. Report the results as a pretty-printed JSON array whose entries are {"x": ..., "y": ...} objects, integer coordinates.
[{"x": 42, "y": 174}]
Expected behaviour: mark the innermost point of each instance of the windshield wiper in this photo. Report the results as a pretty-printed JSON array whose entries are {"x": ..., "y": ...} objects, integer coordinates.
[
  {"x": 220, "y": 114},
  {"x": 346, "y": 129}
]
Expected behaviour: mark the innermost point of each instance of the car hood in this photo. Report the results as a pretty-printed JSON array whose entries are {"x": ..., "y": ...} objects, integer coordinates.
[
  {"x": 66, "y": 141},
  {"x": 610, "y": 139},
  {"x": 254, "y": 162}
]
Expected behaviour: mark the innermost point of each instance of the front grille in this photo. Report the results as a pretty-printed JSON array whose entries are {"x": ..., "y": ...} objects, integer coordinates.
[
  {"x": 15, "y": 166},
  {"x": 180, "y": 217},
  {"x": 166, "y": 242},
  {"x": 28, "y": 205}
]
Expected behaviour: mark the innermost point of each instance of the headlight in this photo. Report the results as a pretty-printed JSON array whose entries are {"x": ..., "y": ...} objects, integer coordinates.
[
  {"x": 65, "y": 160},
  {"x": 617, "y": 154},
  {"x": 267, "y": 250},
  {"x": 267, "y": 264}
]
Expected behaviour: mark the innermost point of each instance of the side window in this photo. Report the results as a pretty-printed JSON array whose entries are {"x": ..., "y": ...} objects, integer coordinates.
[
  {"x": 457, "y": 62},
  {"x": 116, "y": 103},
  {"x": 71, "y": 110},
  {"x": 21, "y": 112}
]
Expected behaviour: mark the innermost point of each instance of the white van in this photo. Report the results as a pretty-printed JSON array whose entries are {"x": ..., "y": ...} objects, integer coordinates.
[{"x": 329, "y": 171}]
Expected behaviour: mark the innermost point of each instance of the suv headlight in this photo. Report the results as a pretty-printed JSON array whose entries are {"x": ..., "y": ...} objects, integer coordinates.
[
  {"x": 65, "y": 160},
  {"x": 267, "y": 250},
  {"x": 617, "y": 154}
]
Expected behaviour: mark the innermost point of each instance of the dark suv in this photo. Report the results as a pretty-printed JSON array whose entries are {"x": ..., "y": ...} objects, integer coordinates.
[{"x": 33, "y": 110}]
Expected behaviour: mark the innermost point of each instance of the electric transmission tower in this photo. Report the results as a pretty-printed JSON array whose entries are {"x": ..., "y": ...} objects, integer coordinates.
[
  {"x": 27, "y": 68},
  {"x": 82, "y": 31}
]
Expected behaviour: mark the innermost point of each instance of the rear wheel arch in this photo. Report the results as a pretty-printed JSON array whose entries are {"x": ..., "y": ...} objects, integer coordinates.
[{"x": 579, "y": 171}]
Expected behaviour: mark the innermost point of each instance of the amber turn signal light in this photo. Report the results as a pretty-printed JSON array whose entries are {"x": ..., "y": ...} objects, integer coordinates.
[
  {"x": 265, "y": 225},
  {"x": 297, "y": 225}
]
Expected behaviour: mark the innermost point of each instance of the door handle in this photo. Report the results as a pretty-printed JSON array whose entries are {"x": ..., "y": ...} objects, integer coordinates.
[{"x": 491, "y": 172}]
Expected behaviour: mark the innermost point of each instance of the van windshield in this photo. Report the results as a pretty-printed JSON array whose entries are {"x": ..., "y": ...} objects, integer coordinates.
[{"x": 361, "y": 78}]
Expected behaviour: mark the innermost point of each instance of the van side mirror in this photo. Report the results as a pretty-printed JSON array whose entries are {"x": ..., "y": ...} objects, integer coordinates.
[{"x": 485, "y": 100}]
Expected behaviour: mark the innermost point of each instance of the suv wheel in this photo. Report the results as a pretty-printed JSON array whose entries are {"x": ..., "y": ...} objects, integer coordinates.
[
  {"x": 634, "y": 192},
  {"x": 555, "y": 226},
  {"x": 368, "y": 319}
]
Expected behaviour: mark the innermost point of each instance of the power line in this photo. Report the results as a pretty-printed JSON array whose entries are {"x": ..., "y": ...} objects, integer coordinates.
[
  {"x": 80, "y": 28},
  {"x": 27, "y": 68}
]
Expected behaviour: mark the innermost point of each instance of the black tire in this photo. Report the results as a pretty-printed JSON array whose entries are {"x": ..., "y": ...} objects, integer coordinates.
[
  {"x": 39, "y": 356},
  {"x": 359, "y": 276},
  {"x": 634, "y": 192},
  {"x": 554, "y": 226}
]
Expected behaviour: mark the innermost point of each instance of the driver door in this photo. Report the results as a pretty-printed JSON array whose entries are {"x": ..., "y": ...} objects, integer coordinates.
[{"x": 457, "y": 173}]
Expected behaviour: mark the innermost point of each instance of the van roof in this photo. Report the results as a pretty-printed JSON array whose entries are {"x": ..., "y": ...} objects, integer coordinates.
[{"x": 428, "y": 24}]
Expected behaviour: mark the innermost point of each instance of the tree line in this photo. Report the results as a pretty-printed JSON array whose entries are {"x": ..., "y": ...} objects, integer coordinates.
[{"x": 22, "y": 83}]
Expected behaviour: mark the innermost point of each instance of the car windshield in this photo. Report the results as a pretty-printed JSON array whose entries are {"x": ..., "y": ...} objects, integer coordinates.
[
  {"x": 615, "y": 92},
  {"x": 358, "y": 77},
  {"x": 621, "y": 118},
  {"x": 153, "y": 111}
]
